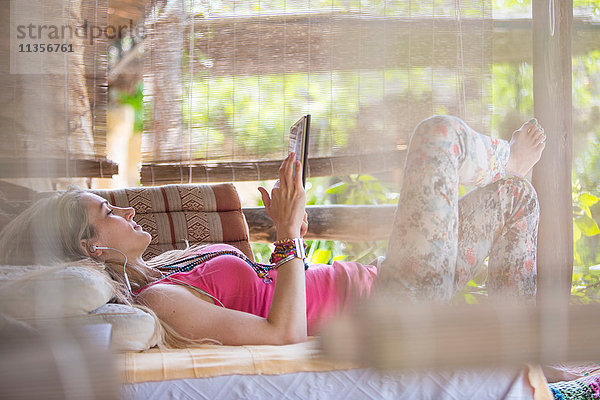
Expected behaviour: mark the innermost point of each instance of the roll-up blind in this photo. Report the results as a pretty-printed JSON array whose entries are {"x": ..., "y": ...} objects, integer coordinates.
[
  {"x": 224, "y": 81},
  {"x": 54, "y": 96}
]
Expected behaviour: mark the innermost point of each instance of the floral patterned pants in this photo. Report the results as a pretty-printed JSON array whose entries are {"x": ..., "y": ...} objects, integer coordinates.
[{"x": 439, "y": 241}]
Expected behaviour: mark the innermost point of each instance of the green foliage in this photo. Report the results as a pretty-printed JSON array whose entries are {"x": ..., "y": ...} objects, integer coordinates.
[
  {"x": 136, "y": 100},
  {"x": 586, "y": 246},
  {"x": 251, "y": 120},
  {"x": 361, "y": 189},
  {"x": 593, "y": 6},
  {"x": 512, "y": 97},
  {"x": 586, "y": 178},
  {"x": 586, "y": 285},
  {"x": 584, "y": 224},
  {"x": 380, "y": 7},
  {"x": 376, "y": 7},
  {"x": 262, "y": 252},
  {"x": 350, "y": 190}
]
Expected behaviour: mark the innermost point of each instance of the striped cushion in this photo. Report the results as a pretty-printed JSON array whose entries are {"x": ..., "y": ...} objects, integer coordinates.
[{"x": 173, "y": 214}]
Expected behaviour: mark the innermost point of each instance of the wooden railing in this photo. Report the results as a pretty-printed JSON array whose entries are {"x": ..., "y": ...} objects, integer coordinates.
[
  {"x": 26, "y": 167},
  {"x": 332, "y": 222},
  {"x": 177, "y": 172}
]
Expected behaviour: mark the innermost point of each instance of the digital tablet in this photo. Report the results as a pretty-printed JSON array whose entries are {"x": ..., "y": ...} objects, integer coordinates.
[{"x": 299, "y": 143}]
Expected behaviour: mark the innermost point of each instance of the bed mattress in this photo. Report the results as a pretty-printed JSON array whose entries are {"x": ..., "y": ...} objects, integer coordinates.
[
  {"x": 362, "y": 383},
  {"x": 300, "y": 371}
]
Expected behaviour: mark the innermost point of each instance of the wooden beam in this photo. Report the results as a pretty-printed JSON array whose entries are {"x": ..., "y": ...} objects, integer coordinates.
[
  {"x": 57, "y": 168},
  {"x": 167, "y": 173},
  {"x": 332, "y": 222},
  {"x": 552, "y": 175}
]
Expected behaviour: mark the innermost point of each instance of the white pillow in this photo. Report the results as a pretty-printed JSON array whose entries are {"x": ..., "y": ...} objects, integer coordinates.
[
  {"x": 28, "y": 292},
  {"x": 41, "y": 294},
  {"x": 132, "y": 328}
]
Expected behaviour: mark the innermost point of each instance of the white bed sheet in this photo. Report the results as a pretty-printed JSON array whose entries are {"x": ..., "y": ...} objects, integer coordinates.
[{"x": 343, "y": 384}]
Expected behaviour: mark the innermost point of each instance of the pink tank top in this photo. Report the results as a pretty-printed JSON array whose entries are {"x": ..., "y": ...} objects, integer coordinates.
[{"x": 330, "y": 289}]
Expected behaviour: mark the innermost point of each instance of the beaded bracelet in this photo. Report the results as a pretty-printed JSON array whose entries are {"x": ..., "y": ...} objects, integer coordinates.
[{"x": 288, "y": 249}]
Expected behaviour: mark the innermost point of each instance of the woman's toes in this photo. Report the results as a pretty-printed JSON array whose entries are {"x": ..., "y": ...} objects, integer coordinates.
[
  {"x": 540, "y": 137},
  {"x": 533, "y": 135},
  {"x": 534, "y": 131},
  {"x": 529, "y": 125},
  {"x": 540, "y": 147},
  {"x": 526, "y": 127}
]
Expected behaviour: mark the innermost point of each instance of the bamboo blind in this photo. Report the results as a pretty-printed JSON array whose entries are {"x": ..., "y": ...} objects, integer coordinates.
[
  {"x": 53, "y": 105},
  {"x": 224, "y": 82}
]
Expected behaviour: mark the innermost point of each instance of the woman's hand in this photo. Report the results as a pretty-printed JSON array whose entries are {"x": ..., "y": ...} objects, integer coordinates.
[
  {"x": 286, "y": 204},
  {"x": 304, "y": 228}
]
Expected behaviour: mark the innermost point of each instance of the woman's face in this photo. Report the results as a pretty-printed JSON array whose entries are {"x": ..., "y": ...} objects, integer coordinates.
[{"x": 115, "y": 227}]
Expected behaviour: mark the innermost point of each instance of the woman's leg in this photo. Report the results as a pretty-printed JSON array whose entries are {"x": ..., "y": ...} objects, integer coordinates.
[
  {"x": 499, "y": 220},
  {"x": 423, "y": 248}
]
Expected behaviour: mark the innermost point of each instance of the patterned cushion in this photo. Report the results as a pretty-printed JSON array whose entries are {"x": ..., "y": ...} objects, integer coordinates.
[{"x": 172, "y": 214}]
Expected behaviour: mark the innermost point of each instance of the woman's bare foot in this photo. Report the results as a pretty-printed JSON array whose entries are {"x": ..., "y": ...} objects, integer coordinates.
[{"x": 526, "y": 148}]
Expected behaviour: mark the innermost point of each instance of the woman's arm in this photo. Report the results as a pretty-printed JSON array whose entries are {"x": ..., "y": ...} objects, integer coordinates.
[
  {"x": 286, "y": 207},
  {"x": 197, "y": 318}
]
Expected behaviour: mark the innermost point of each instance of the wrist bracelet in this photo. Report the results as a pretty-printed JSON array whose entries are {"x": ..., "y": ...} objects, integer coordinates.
[
  {"x": 288, "y": 249},
  {"x": 284, "y": 260}
]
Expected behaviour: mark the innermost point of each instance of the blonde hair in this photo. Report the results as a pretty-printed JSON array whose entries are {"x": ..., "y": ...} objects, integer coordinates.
[
  {"x": 50, "y": 233},
  {"x": 47, "y": 232}
]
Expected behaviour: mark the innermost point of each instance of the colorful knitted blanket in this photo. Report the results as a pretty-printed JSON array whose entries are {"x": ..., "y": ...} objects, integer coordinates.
[{"x": 585, "y": 388}]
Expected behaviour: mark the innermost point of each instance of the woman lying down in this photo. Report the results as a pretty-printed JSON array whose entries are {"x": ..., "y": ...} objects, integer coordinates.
[{"x": 437, "y": 243}]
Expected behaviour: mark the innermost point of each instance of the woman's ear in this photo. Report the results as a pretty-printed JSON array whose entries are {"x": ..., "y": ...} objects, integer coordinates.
[{"x": 88, "y": 250}]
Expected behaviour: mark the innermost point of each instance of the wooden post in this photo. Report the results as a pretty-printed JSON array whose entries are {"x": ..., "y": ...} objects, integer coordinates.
[{"x": 552, "y": 20}]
